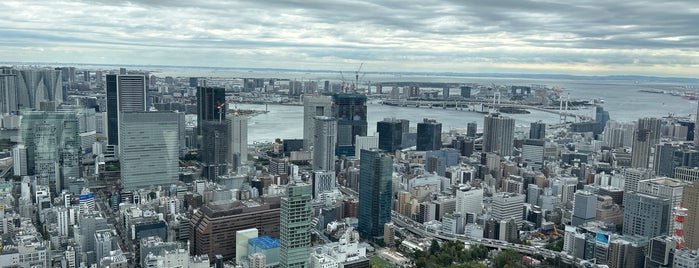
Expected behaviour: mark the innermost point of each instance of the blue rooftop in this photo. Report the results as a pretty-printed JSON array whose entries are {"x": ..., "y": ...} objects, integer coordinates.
[{"x": 264, "y": 242}]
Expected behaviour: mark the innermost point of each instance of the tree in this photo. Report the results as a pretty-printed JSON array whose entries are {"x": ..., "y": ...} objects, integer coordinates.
[
  {"x": 507, "y": 258},
  {"x": 434, "y": 247}
]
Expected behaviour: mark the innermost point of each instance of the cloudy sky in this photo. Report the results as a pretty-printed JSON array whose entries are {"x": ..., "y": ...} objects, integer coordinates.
[{"x": 585, "y": 37}]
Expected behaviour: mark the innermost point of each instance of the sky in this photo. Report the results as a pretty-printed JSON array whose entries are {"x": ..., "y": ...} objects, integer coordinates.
[{"x": 582, "y": 37}]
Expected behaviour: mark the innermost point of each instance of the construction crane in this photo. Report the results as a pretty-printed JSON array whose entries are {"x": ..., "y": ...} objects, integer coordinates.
[{"x": 356, "y": 76}]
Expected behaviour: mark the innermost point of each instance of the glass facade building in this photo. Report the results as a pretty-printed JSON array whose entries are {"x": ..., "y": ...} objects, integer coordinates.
[{"x": 375, "y": 188}]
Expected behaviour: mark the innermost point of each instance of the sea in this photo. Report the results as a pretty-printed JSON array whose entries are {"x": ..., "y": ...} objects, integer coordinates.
[{"x": 622, "y": 97}]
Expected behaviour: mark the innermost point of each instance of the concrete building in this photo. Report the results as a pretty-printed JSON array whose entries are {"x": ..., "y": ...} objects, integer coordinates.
[
  {"x": 325, "y": 140},
  {"x": 295, "y": 236},
  {"x": 469, "y": 200},
  {"x": 507, "y": 206},
  {"x": 690, "y": 200},
  {"x": 149, "y": 149},
  {"x": 533, "y": 153},
  {"x": 28, "y": 88},
  {"x": 242, "y": 242},
  {"x": 365, "y": 143},
  {"x": 646, "y": 215},
  {"x": 640, "y": 153},
  {"x": 323, "y": 182},
  {"x": 238, "y": 134},
  {"x": 313, "y": 106},
  {"x": 584, "y": 207},
  {"x": 213, "y": 227},
  {"x": 498, "y": 134}
]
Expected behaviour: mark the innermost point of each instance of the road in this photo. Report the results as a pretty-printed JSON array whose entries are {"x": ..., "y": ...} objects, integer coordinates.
[{"x": 420, "y": 230}]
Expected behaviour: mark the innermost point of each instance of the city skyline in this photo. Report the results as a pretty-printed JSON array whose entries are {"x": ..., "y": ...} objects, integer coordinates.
[{"x": 585, "y": 38}]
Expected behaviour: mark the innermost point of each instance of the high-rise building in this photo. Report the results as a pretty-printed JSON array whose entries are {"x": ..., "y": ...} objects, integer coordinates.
[
  {"x": 469, "y": 200},
  {"x": 323, "y": 181},
  {"x": 8, "y": 92},
  {"x": 27, "y": 89},
  {"x": 690, "y": 200},
  {"x": 632, "y": 176},
  {"x": 533, "y": 153},
  {"x": 601, "y": 117},
  {"x": 125, "y": 93},
  {"x": 365, "y": 143},
  {"x": 640, "y": 153},
  {"x": 325, "y": 139},
  {"x": 391, "y": 133},
  {"x": 149, "y": 149},
  {"x": 584, "y": 207},
  {"x": 238, "y": 135},
  {"x": 696, "y": 128},
  {"x": 646, "y": 215},
  {"x": 52, "y": 146},
  {"x": 507, "y": 206},
  {"x": 313, "y": 106},
  {"x": 375, "y": 179},
  {"x": 295, "y": 223},
  {"x": 537, "y": 130},
  {"x": 351, "y": 114},
  {"x": 498, "y": 134},
  {"x": 471, "y": 129},
  {"x": 664, "y": 187},
  {"x": 465, "y": 92},
  {"x": 654, "y": 126},
  {"x": 429, "y": 135},
  {"x": 211, "y": 105},
  {"x": 214, "y": 150}
]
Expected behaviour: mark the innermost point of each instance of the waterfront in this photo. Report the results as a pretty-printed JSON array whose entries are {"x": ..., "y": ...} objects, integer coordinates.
[{"x": 622, "y": 100}]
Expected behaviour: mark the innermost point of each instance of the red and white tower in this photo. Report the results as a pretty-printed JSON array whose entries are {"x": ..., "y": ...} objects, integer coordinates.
[{"x": 678, "y": 232}]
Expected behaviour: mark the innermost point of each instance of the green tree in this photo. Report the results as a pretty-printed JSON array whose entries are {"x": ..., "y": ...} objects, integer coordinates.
[
  {"x": 434, "y": 247},
  {"x": 507, "y": 258}
]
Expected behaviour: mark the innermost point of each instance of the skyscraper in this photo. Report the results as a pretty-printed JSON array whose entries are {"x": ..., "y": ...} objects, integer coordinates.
[
  {"x": 238, "y": 134},
  {"x": 375, "y": 178},
  {"x": 149, "y": 149},
  {"x": 27, "y": 89},
  {"x": 471, "y": 129},
  {"x": 351, "y": 114},
  {"x": 584, "y": 207},
  {"x": 313, "y": 106},
  {"x": 640, "y": 153},
  {"x": 391, "y": 133},
  {"x": 537, "y": 130},
  {"x": 325, "y": 138},
  {"x": 498, "y": 134},
  {"x": 429, "y": 135},
  {"x": 654, "y": 126},
  {"x": 125, "y": 93},
  {"x": 52, "y": 146},
  {"x": 295, "y": 226},
  {"x": 690, "y": 200},
  {"x": 8, "y": 92},
  {"x": 214, "y": 150},
  {"x": 211, "y": 103},
  {"x": 601, "y": 117},
  {"x": 696, "y": 127}
]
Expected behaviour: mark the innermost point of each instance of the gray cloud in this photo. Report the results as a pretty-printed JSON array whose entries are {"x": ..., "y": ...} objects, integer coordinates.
[{"x": 594, "y": 36}]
